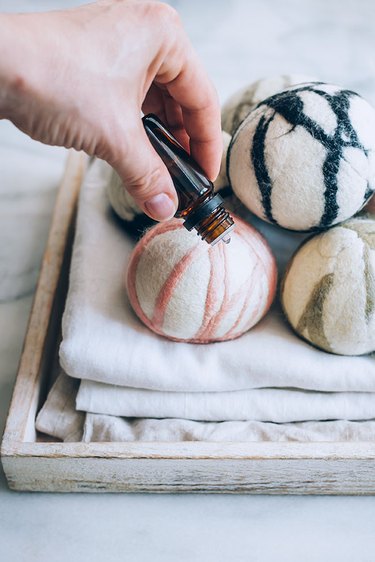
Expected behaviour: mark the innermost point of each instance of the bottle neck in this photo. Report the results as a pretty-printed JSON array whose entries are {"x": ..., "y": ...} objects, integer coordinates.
[
  {"x": 190, "y": 181},
  {"x": 198, "y": 205},
  {"x": 216, "y": 227}
]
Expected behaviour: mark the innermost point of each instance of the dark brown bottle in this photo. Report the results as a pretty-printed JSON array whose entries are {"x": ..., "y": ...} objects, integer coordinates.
[{"x": 198, "y": 204}]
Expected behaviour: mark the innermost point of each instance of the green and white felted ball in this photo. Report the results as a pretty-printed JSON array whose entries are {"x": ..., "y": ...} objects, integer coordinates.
[
  {"x": 328, "y": 291},
  {"x": 305, "y": 158},
  {"x": 239, "y": 105},
  {"x": 185, "y": 290}
]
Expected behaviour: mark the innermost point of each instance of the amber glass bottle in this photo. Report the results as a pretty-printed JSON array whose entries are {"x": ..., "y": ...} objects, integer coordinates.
[{"x": 198, "y": 204}]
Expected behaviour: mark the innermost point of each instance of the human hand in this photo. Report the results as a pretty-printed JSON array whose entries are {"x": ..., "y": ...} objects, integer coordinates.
[{"x": 81, "y": 77}]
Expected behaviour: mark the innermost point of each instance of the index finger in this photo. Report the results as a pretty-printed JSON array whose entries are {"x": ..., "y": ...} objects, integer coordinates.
[{"x": 193, "y": 91}]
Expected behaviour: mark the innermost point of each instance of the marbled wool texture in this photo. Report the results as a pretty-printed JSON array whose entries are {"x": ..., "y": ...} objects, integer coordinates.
[
  {"x": 328, "y": 291},
  {"x": 186, "y": 290},
  {"x": 304, "y": 158},
  {"x": 242, "y": 102}
]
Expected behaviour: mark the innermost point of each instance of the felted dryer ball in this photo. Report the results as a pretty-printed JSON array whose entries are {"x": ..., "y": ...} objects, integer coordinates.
[
  {"x": 305, "y": 158},
  {"x": 328, "y": 291},
  {"x": 188, "y": 291},
  {"x": 239, "y": 105},
  {"x": 127, "y": 209}
]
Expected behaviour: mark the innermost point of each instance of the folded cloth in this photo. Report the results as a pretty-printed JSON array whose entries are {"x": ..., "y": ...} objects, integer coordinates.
[
  {"x": 265, "y": 404},
  {"x": 58, "y": 418},
  {"x": 104, "y": 341},
  {"x": 112, "y": 428}
]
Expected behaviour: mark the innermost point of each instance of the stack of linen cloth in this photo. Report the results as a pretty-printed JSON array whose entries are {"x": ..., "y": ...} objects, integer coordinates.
[{"x": 119, "y": 381}]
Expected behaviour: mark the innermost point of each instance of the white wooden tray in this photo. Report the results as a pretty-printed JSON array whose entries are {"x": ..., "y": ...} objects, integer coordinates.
[{"x": 32, "y": 463}]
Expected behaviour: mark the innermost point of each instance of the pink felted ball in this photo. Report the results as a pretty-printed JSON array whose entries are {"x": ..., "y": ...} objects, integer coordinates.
[{"x": 185, "y": 290}]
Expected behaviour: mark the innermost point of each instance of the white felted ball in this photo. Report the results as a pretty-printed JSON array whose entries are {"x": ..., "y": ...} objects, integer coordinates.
[
  {"x": 124, "y": 204},
  {"x": 328, "y": 291},
  {"x": 239, "y": 105},
  {"x": 305, "y": 158},
  {"x": 186, "y": 290}
]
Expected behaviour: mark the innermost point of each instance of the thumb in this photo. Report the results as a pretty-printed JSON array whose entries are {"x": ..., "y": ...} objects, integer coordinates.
[{"x": 144, "y": 174}]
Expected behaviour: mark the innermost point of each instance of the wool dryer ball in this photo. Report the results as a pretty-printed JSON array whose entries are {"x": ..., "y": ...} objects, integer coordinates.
[
  {"x": 186, "y": 290},
  {"x": 304, "y": 158},
  {"x": 239, "y": 105},
  {"x": 328, "y": 291}
]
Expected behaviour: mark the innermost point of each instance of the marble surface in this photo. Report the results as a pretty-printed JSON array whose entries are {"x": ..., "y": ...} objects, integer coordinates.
[{"x": 239, "y": 41}]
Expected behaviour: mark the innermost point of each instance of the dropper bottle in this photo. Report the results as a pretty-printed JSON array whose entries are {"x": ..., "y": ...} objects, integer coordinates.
[{"x": 201, "y": 208}]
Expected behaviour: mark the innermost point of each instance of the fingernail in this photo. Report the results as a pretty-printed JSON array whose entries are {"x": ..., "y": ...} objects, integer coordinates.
[{"x": 160, "y": 207}]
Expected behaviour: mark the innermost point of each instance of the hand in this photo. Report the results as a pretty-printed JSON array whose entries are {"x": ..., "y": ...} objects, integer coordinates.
[{"x": 80, "y": 78}]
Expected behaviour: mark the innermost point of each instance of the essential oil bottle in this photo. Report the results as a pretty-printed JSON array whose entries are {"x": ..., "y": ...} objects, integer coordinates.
[{"x": 199, "y": 206}]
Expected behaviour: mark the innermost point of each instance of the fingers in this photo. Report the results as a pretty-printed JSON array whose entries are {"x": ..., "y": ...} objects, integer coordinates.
[
  {"x": 154, "y": 103},
  {"x": 143, "y": 173},
  {"x": 161, "y": 103},
  {"x": 175, "y": 120},
  {"x": 192, "y": 90}
]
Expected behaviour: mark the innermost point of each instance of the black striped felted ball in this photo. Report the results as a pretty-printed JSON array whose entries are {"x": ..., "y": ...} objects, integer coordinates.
[{"x": 304, "y": 158}]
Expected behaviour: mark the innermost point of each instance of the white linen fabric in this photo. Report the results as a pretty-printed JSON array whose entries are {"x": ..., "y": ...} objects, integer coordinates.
[
  {"x": 58, "y": 418},
  {"x": 266, "y": 404},
  {"x": 99, "y": 427},
  {"x": 104, "y": 341}
]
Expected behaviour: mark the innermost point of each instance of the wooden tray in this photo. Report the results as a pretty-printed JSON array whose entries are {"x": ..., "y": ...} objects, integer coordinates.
[{"x": 33, "y": 464}]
